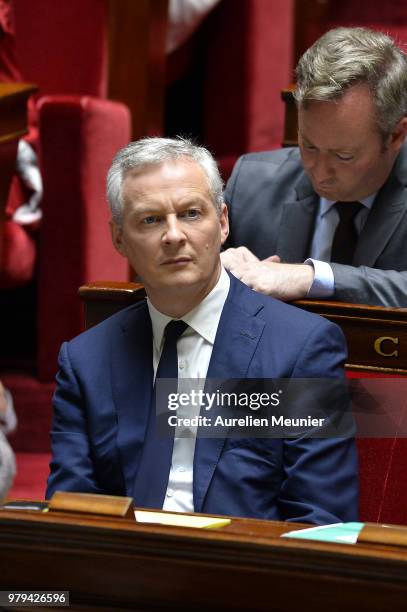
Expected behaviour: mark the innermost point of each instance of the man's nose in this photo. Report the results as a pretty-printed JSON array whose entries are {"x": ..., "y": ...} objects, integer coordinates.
[{"x": 174, "y": 230}]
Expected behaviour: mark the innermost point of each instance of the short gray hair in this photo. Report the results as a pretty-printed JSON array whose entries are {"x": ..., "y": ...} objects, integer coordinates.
[
  {"x": 344, "y": 57},
  {"x": 155, "y": 151}
]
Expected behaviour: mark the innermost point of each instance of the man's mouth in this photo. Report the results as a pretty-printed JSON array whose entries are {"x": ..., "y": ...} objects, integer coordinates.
[
  {"x": 325, "y": 185},
  {"x": 176, "y": 261},
  {"x": 322, "y": 189}
]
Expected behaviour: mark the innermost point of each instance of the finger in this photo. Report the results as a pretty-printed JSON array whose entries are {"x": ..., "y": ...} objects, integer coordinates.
[
  {"x": 226, "y": 258},
  {"x": 240, "y": 254},
  {"x": 247, "y": 255},
  {"x": 273, "y": 258}
]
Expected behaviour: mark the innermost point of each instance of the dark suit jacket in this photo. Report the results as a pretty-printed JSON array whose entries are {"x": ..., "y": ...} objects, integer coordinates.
[
  {"x": 103, "y": 400},
  {"x": 272, "y": 208}
]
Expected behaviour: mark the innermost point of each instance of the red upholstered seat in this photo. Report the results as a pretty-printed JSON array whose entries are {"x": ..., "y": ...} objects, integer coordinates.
[
  {"x": 382, "y": 466},
  {"x": 78, "y": 139},
  {"x": 394, "y": 509},
  {"x": 383, "y": 490},
  {"x": 62, "y": 48},
  {"x": 375, "y": 456},
  {"x": 32, "y": 401},
  {"x": 18, "y": 256},
  {"x": 31, "y": 478},
  {"x": 389, "y": 17}
]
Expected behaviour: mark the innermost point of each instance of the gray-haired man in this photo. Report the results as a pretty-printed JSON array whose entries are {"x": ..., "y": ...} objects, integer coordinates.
[{"x": 169, "y": 220}]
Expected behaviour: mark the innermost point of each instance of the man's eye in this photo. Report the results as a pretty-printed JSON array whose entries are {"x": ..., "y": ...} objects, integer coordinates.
[
  {"x": 191, "y": 213},
  {"x": 151, "y": 220},
  {"x": 309, "y": 147},
  {"x": 344, "y": 156}
]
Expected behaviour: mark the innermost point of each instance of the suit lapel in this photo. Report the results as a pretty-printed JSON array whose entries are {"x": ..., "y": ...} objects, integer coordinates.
[
  {"x": 132, "y": 382},
  {"x": 237, "y": 337},
  {"x": 384, "y": 218},
  {"x": 297, "y": 224}
]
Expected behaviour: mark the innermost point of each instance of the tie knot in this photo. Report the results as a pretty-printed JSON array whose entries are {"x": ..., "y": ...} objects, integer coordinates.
[
  {"x": 347, "y": 210},
  {"x": 173, "y": 330}
]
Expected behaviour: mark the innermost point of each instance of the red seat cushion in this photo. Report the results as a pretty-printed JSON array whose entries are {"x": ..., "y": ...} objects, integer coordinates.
[
  {"x": 18, "y": 256},
  {"x": 32, "y": 474}
]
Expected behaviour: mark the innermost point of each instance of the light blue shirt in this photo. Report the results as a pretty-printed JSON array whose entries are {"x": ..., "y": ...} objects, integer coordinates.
[{"x": 327, "y": 220}]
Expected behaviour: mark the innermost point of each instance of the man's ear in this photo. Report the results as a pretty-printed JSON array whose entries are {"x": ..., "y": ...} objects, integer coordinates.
[
  {"x": 224, "y": 223},
  {"x": 398, "y": 135},
  {"x": 117, "y": 237}
]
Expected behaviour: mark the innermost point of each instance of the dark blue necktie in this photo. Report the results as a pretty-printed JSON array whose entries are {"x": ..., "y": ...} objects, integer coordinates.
[
  {"x": 155, "y": 463},
  {"x": 346, "y": 237}
]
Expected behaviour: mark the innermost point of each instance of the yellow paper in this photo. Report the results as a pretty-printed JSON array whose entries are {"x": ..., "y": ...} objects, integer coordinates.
[{"x": 180, "y": 520}]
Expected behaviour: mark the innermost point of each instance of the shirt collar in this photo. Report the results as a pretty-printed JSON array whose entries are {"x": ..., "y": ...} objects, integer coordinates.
[
  {"x": 326, "y": 205},
  {"x": 203, "y": 319}
]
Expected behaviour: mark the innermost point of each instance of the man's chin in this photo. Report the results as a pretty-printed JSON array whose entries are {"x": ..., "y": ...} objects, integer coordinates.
[
  {"x": 178, "y": 279},
  {"x": 184, "y": 282},
  {"x": 330, "y": 193}
]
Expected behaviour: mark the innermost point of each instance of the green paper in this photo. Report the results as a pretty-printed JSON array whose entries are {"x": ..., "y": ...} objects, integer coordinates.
[{"x": 343, "y": 533}]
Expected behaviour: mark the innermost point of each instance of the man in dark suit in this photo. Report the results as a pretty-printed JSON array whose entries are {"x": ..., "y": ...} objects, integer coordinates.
[
  {"x": 169, "y": 220},
  {"x": 341, "y": 199}
]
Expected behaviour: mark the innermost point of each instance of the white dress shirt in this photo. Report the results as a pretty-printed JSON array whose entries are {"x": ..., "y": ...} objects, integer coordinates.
[
  {"x": 326, "y": 222},
  {"x": 194, "y": 350}
]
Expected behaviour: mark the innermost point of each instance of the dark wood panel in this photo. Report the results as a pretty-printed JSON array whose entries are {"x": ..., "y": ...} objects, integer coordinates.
[
  {"x": 13, "y": 110},
  {"x": 290, "y": 138},
  {"x": 376, "y": 336},
  {"x": 110, "y": 564},
  {"x": 137, "y": 59},
  {"x": 102, "y": 299},
  {"x": 310, "y": 17}
]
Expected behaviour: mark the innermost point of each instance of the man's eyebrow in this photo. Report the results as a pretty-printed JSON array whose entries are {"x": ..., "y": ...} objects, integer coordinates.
[
  {"x": 147, "y": 209},
  {"x": 139, "y": 198},
  {"x": 193, "y": 199},
  {"x": 349, "y": 150}
]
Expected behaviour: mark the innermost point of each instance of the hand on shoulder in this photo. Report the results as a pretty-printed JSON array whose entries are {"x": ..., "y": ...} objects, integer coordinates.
[{"x": 286, "y": 282}]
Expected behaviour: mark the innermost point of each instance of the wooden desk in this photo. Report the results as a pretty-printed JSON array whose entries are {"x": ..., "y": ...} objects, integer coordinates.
[
  {"x": 109, "y": 564},
  {"x": 13, "y": 107},
  {"x": 376, "y": 336}
]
